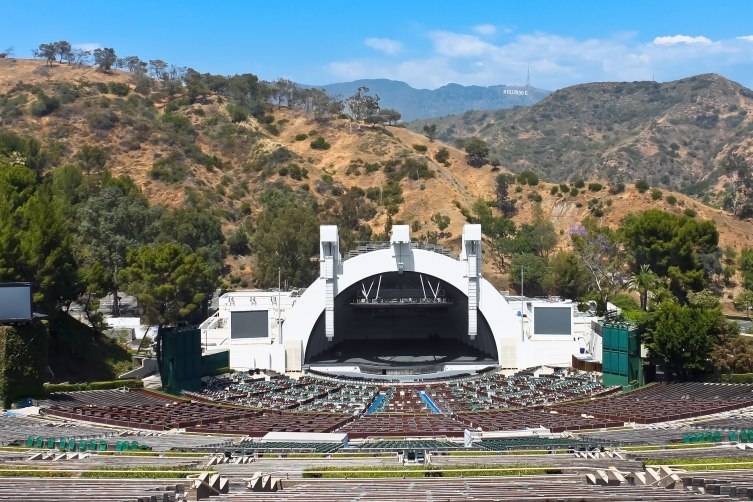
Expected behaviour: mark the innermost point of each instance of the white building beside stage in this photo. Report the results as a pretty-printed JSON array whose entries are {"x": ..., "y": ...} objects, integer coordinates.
[{"x": 363, "y": 300}]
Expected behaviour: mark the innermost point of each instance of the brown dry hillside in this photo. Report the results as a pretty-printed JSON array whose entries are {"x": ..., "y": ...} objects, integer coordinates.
[{"x": 169, "y": 146}]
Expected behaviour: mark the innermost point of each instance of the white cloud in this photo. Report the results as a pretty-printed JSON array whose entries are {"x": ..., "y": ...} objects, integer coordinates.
[
  {"x": 485, "y": 29},
  {"x": 681, "y": 39},
  {"x": 555, "y": 61},
  {"x": 386, "y": 45},
  {"x": 459, "y": 45},
  {"x": 87, "y": 46}
]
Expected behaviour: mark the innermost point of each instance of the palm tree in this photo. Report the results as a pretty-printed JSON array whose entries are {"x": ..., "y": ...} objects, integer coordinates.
[{"x": 643, "y": 282}]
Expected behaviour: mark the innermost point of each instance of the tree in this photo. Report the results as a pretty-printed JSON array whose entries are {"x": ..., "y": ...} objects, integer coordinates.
[
  {"x": 284, "y": 90},
  {"x": 744, "y": 301},
  {"x": 47, "y": 51},
  {"x": 35, "y": 237},
  {"x": 678, "y": 247},
  {"x": 568, "y": 278},
  {"x": 476, "y": 151},
  {"x": 680, "y": 338},
  {"x": 599, "y": 250},
  {"x": 746, "y": 267},
  {"x": 534, "y": 274},
  {"x": 285, "y": 239},
  {"x": 110, "y": 223},
  {"x": 643, "y": 281},
  {"x": 64, "y": 50},
  {"x": 104, "y": 59},
  {"x": 430, "y": 130},
  {"x": 237, "y": 243},
  {"x": 361, "y": 105},
  {"x": 169, "y": 281},
  {"x": 733, "y": 354},
  {"x": 92, "y": 158},
  {"x": 504, "y": 203},
  {"x": 390, "y": 115}
]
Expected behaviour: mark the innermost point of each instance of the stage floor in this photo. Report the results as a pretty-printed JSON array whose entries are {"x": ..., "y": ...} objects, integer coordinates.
[{"x": 401, "y": 353}]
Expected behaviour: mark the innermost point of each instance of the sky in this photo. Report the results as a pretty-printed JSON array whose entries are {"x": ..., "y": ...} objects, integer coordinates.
[{"x": 424, "y": 43}]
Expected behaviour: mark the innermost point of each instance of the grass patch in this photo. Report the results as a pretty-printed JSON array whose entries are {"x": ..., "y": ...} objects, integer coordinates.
[
  {"x": 420, "y": 471},
  {"x": 703, "y": 463}
]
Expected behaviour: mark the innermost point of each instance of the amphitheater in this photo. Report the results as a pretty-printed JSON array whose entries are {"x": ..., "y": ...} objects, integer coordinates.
[
  {"x": 535, "y": 435},
  {"x": 400, "y": 374}
]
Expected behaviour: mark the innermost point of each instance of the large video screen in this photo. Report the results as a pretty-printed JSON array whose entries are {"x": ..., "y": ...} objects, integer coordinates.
[
  {"x": 249, "y": 324},
  {"x": 552, "y": 321},
  {"x": 15, "y": 302}
]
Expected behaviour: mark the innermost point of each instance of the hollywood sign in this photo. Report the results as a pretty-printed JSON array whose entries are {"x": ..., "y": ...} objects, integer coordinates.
[{"x": 515, "y": 92}]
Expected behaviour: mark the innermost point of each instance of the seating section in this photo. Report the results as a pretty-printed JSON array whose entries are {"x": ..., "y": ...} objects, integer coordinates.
[
  {"x": 259, "y": 423},
  {"x": 527, "y": 418},
  {"x": 537, "y": 443},
  {"x": 661, "y": 403},
  {"x": 288, "y": 446}
]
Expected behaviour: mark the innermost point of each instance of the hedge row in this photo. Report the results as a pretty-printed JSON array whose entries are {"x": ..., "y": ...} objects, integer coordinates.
[
  {"x": 110, "y": 384},
  {"x": 737, "y": 378}
]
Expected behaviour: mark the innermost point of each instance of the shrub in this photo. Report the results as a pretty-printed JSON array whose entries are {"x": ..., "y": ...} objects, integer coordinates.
[
  {"x": 168, "y": 170},
  {"x": 528, "y": 178},
  {"x": 564, "y": 188},
  {"x": 642, "y": 186},
  {"x": 690, "y": 213},
  {"x": 671, "y": 200},
  {"x": 104, "y": 385},
  {"x": 301, "y": 137},
  {"x": 103, "y": 120},
  {"x": 442, "y": 155},
  {"x": 237, "y": 243},
  {"x": 237, "y": 113},
  {"x": 534, "y": 196},
  {"x": 655, "y": 194},
  {"x": 320, "y": 144},
  {"x": 574, "y": 192},
  {"x": 595, "y": 187},
  {"x": 44, "y": 105},
  {"x": 579, "y": 183},
  {"x": 617, "y": 188},
  {"x": 420, "y": 148},
  {"x": 554, "y": 190},
  {"x": 118, "y": 88}
]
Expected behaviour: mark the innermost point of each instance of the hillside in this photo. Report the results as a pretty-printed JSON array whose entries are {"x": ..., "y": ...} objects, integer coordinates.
[
  {"x": 174, "y": 149},
  {"x": 675, "y": 134},
  {"x": 446, "y": 100}
]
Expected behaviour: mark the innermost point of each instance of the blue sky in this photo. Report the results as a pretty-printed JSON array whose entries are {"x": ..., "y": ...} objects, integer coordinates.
[{"x": 425, "y": 43}]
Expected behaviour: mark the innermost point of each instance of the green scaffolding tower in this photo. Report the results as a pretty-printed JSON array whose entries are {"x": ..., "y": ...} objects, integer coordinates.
[{"x": 621, "y": 355}]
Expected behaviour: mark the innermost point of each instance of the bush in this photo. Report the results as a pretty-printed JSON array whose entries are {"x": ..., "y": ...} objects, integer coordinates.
[
  {"x": 118, "y": 88},
  {"x": 44, "y": 105},
  {"x": 595, "y": 187},
  {"x": 579, "y": 184},
  {"x": 690, "y": 213},
  {"x": 564, "y": 188},
  {"x": 617, "y": 188},
  {"x": 737, "y": 378},
  {"x": 528, "y": 178},
  {"x": 105, "y": 385},
  {"x": 168, "y": 170},
  {"x": 237, "y": 113},
  {"x": 237, "y": 243},
  {"x": 655, "y": 194},
  {"x": 554, "y": 190},
  {"x": 320, "y": 144},
  {"x": 642, "y": 186},
  {"x": 671, "y": 200},
  {"x": 103, "y": 120},
  {"x": 301, "y": 137},
  {"x": 442, "y": 155},
  {"x": 420, "y": 148}
]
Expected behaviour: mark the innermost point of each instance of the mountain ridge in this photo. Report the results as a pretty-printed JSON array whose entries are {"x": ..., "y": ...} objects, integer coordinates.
[{"x": 451, "y": 98}]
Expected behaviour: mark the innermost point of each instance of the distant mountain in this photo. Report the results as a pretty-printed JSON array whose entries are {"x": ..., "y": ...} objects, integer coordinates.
[
  {"x": 447, "y": 100},
  {"x": 673, "y": 134}
]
